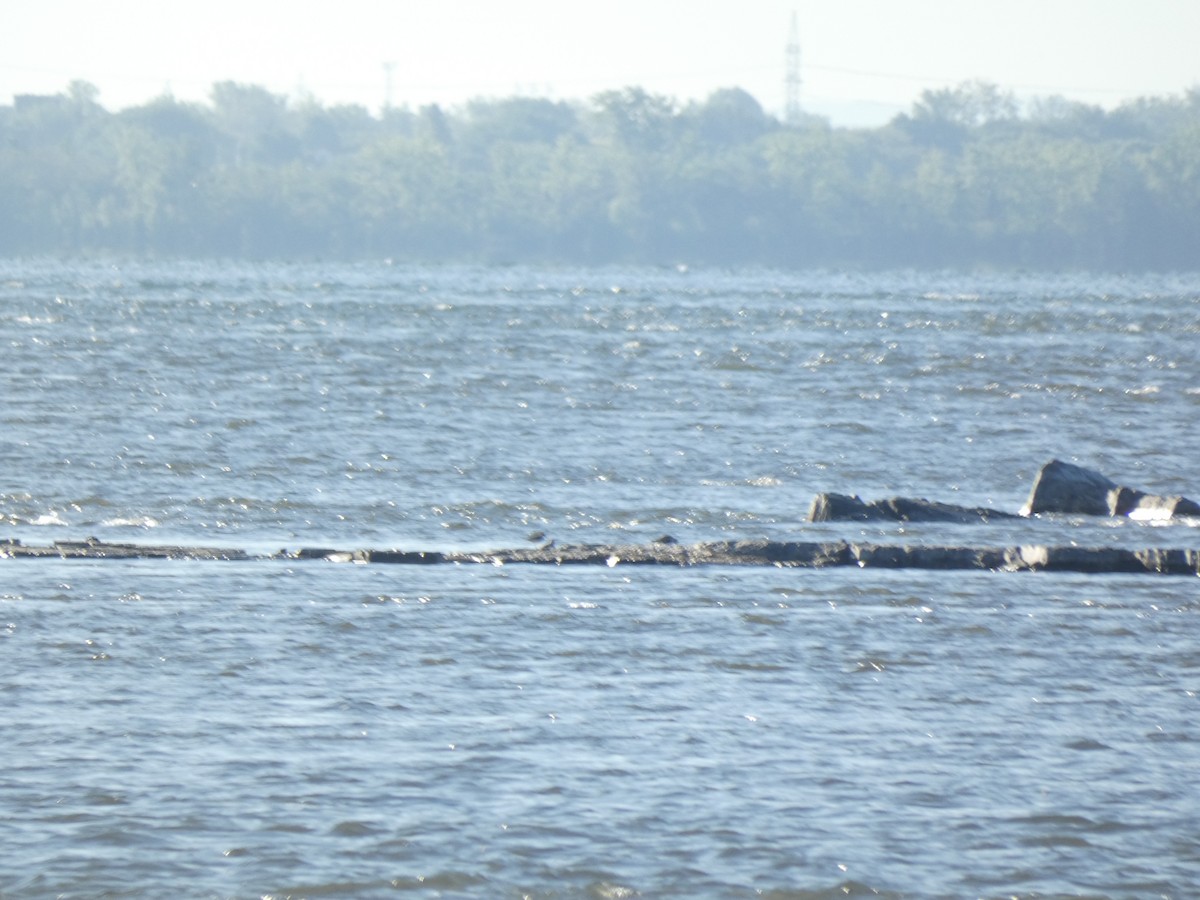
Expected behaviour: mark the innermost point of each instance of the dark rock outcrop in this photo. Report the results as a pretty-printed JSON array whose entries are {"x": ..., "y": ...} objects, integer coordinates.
[
  {"x": 916, "y": 556},
  {"x": 1066, "y": 488},
  {"x": 96, "y": 549},
  {"x": 1137, "y": 505},
  {"x": 781, "y": 554},
  {"x": 1104, "y": 560},
  {"x": 830, "y": 507},
  {"x": 802, "y": 554},
  {"x": 1060, "y": 488}
]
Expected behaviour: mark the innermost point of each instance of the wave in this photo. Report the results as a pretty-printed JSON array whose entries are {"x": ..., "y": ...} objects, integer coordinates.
[
  {"x": 50, "y": 518},
  {"x": 131, "y": 522}
]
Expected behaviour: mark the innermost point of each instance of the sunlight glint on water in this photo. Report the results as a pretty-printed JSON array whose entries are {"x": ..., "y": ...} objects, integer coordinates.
[{"x": 299, "y": 729}]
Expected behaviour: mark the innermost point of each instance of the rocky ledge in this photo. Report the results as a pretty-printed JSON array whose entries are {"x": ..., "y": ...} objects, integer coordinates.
[
  {"x": 97, "y": 549},
  {"x": 1060, "y": 489},
  {"x": 801, "y": 554},
  {"x": 783, "y": 554},
  {"x": 1065, "y": 488}
]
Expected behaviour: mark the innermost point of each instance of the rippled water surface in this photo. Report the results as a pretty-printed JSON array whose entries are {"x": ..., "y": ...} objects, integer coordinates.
[{"x": 286, "y": 728}]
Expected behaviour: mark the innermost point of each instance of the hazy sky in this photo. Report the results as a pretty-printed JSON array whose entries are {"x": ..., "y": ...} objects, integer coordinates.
[{"x": 861, "y": 60}]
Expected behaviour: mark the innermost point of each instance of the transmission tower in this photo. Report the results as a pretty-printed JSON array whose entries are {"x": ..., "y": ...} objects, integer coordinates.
[{"x": 791, "y": 112}]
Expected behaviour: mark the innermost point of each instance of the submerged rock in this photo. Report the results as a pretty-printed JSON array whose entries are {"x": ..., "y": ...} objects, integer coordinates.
[
  {"x": 92, "y": 548},
  {"x": 1105, "y": 560},
  {"x": 780, "y": 554},
  {"x": 831, "y": 507},
  {"x": 1137, "y": 505},
  {"x": 917, "y": 556},
  {"x": 829, "y": 554},
  {"x": 1066, "y": 488}
]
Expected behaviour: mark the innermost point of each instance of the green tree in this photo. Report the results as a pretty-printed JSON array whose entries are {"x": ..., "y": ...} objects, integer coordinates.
[
  {"x": 813, "y": 180},
  {"x": 1172, "y": 178},
  {"x": 945, "y": 117},
  {"x": 637, "y": 120},
  {"x": 1032, "y": 200},
  {"x": 409, "y": 199},
  {"x": 516, "y": 120},
  {"x": 256, "y": 123},
  {"x": 729, "y": 116},
  {"x": 962, "y": 179}
]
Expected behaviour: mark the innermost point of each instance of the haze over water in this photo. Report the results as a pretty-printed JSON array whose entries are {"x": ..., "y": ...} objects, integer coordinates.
[{"x": 275, "y": 728}]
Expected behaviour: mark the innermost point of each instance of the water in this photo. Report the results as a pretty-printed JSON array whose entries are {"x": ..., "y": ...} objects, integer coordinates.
[{"x": 274, "y": 728}]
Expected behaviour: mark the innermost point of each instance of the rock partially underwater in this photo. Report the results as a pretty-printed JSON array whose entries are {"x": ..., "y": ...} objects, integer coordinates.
[
  {"x": 92, "y": 548},
  {"x": 843, "y": 507},
  {"x": 780, "y": 554},
  {"x": 1059, "y": 489},
  {"x": 1065, "y": 488}
]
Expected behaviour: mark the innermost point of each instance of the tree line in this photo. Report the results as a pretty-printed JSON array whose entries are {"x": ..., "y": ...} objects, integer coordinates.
[{"x": 965, "y": 178}]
